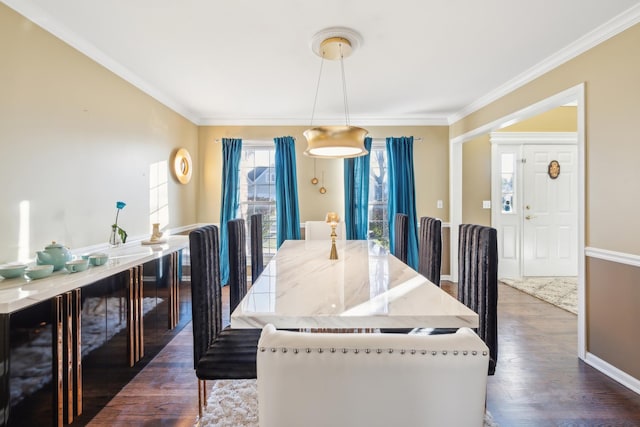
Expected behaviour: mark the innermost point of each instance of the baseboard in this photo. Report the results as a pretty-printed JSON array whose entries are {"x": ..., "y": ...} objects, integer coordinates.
[{"x": 612, "y": 372}]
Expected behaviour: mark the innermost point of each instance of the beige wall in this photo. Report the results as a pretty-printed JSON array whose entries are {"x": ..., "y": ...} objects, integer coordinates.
[
  {"x": 610, "y": 72},
  {"x": 476, "y": 180},
  {"x": 612, "y": 303},
  {"x": 561, "y": 119},
  {"x": 431, "y": 157},
  {"x": 74, "y": 139}
]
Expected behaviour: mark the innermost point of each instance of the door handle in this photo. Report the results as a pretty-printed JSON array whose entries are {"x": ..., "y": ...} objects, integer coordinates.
[{"x": 529, "y": 217}]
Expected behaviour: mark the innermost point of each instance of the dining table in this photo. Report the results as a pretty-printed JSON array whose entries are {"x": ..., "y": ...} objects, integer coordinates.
[{"x": 365, "y": 288}]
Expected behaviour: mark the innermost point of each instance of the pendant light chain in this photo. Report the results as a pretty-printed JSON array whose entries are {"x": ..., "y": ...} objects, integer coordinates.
[
  {"x": 344, "y": 89},
  {"x": 315, "y": 99}
]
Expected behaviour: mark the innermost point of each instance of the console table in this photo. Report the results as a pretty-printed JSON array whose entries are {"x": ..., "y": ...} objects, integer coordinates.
[{"x": 51, "y": 326}]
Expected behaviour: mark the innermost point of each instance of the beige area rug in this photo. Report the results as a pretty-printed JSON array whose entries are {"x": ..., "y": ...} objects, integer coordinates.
[
  {"x": 233, "y": 403},
  {"x": 559, "y": 291}
]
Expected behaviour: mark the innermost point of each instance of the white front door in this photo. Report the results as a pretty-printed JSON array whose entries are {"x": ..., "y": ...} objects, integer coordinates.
[{"x": 550, "y": 211}]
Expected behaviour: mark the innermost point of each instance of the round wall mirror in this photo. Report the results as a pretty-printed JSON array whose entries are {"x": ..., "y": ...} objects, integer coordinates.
[{"x": 182, "y": 166}]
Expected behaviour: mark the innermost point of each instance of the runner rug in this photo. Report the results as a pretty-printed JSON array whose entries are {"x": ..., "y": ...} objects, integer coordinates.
[{"x": 559, "y": 291}]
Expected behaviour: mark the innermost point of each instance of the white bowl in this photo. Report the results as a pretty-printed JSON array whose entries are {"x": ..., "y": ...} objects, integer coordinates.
[
  {"x": 39, "y": 271},
  {"x": 9, "y": 271}
]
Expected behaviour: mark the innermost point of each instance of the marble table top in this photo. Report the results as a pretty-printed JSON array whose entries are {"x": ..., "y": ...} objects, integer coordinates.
[
  {"x": 365, "y": 288},
  {"x": 21, "y": 292}
]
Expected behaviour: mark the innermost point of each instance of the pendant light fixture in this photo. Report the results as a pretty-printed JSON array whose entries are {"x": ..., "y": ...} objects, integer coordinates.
[{"x": 341, "y": 141}]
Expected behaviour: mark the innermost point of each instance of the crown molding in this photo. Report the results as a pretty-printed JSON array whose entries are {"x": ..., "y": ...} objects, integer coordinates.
[
  {"x": 607, "y": 30},
  {"x": 304, "y": 121}
]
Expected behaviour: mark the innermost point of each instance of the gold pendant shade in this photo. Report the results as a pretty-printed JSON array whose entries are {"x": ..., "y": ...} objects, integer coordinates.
[
  {"x": 335, "y": 141},
  {"x": 342, "y": 141}
]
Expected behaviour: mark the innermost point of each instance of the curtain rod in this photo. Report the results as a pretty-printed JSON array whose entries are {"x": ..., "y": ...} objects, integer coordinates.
[{"x": 385, "y": 139}]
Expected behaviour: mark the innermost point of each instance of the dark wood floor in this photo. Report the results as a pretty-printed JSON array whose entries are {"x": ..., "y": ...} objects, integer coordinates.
[{"x": 539, "y": 380}]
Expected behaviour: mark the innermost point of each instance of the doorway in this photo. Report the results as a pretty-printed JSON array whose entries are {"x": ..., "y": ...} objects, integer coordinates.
[
  {"x": 575, "y": 95},
  {"x": 535, "y": 203}
]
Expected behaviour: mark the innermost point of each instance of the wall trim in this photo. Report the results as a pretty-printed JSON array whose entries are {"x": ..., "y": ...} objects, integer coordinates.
[
  {"x": 409, "y": 120},
  {"x": 614, "y": 373},
  {"x": 524, "y": 138},
  {"x": 613, "y": 256}
]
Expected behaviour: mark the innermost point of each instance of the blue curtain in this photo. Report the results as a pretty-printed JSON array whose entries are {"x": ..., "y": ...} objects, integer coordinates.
[
  {"x": 287, "y": 213},
  {"x": 231, "y": 150},
  {"x": 356, "y": 194},
  {"x": 402, "y": 193}
]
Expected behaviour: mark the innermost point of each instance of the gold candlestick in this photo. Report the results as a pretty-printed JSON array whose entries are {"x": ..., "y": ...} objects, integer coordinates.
[{"x": 333, "y": 219}]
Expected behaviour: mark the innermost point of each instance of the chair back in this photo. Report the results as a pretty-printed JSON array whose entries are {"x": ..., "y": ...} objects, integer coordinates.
[
  {"x": 478, "y": 281},
  {"x": 206, "y": 297},
  {"x": 354, "y": 379},
  {"x": 320, "y": 230},
  {"x": 257, "y": 260},
  {"x": 401, "y": 236},
  {"x": 430, "y": 249},
  {"x": 237, "y": 262}
]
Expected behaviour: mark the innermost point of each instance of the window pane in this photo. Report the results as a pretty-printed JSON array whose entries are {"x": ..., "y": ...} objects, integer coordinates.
[
  {"x": 378, "y": 216},
  {"x": 507, "y": 181},
  {"x": 258, "y": 193}
]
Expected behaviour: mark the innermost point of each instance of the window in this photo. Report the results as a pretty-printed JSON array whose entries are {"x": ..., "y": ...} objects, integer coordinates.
[
  {"x": 258, "y": 190},
  {"x": 378, "y": 195},
  {"x": 507, "y": 176}
]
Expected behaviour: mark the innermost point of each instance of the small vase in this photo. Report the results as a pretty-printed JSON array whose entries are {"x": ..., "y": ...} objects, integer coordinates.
[{"x": 114, "y": 238}]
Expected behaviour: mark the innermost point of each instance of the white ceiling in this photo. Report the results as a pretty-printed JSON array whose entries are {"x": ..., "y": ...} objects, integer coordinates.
[{"x": 250, "y": 62}]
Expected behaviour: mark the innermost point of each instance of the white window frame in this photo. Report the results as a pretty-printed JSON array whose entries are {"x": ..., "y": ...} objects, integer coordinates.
[
  {"x": 384, "y": 241},
  {"x": 244, "y": 205}
]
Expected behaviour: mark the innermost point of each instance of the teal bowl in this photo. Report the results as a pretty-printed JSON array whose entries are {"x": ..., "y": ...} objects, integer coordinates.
[
  {"x": 98, "y": 259},
  {"x": 9, "y": 271},
  {"x": 39, "y": 271},
  {"x": 77, "y": 265}
]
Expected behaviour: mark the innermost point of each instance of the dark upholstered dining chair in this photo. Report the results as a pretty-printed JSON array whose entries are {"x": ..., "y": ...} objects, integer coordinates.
[
  {"x": 237, "y": 262},
  {"x": 478, "y": 281},
  {"x": 430, "y": 249},
  {"x": 478, "y": 284},
  {"x": 257, "y": 263},
  {"x": 218, "y": 354},
  {"x": 401, "y": 236}
]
